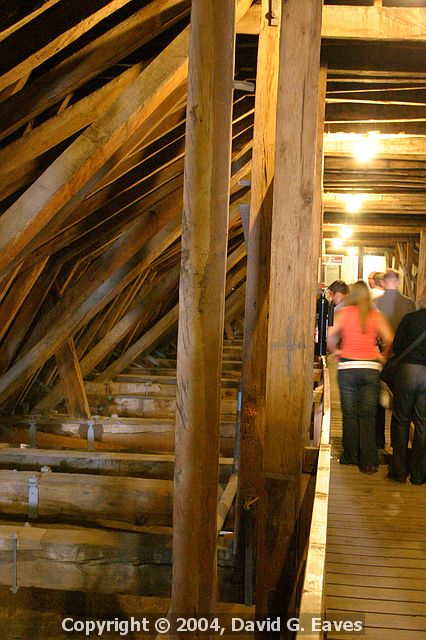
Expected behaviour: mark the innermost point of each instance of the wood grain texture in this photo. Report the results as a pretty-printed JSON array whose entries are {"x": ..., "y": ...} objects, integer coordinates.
[
  {"x": 68, "y": 180},
  {"x": 290, "y": 339},
  {"x": 72, "y": 380},
  {"x": 421, "y": 272},
  {"x": 358, "y": 23},
  {"x": 201, "y": 308},
  {"x": 258, "y": 256}
]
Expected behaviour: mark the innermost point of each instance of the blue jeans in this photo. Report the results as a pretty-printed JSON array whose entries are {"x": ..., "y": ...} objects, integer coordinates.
[
  {"x": 409, "y": 404},
  {"x": 359, "y": 394}
]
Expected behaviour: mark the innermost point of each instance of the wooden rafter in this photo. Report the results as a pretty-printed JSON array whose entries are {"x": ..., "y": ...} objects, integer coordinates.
[
  {"x": 54, "y": 31},
  {"x": 72, "y": 175}
]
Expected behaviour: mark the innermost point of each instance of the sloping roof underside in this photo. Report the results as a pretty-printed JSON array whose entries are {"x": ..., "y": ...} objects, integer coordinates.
[{"x": 92, "y": 123}]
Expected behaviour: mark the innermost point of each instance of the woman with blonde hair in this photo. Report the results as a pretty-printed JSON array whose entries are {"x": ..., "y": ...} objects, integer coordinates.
[
  {"x": 357, "y": 327},
  {"x": 409, "y": 398}
]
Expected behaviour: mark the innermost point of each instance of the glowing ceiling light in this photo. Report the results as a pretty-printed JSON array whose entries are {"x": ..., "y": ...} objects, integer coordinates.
[
  {"x": 337, "y": 243},
  {"x": 365, "y": 148},
  {"x": 353, "y": 202},
  {"x": 345, "y": 231},
  {"x": 352, "y": 251}
]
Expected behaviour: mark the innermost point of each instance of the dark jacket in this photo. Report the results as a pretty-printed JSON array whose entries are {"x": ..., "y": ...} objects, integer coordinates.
[{"x": 411, "y": 326}]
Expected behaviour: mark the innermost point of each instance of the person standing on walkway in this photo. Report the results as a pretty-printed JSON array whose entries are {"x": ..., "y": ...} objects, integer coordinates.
[
  {"x": 338, "y": 291},
  {"x": 356, "y": 327},
  {"x": 392, "y": 303},
  {"x": 375, "y": 283},
  {"x": 394, "y": 306},
  {"x": 409, "y": 399}
]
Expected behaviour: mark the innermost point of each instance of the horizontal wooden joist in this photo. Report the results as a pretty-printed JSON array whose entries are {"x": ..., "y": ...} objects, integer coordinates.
[
  {"x": 113, "y": 433},
  {"x": 397, "y": 203},
  {"x": 394, "y": 147},
  {"x": 66, "y": 497},
  {"x": 92, "y": 560},
  {"x": 138, "y": 465},
  {"x": 145, "y": 389},
  {"x": 374, "y": 115},
  {"x": 358, "y": 23},
  {"x": 362, "y": 127},
  {"x": 333, "y": 228},
  {"x": 155, "y": 407}
]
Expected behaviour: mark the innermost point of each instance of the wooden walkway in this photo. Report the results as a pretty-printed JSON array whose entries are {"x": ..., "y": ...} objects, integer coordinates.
[{"x": 376, "y": 548}]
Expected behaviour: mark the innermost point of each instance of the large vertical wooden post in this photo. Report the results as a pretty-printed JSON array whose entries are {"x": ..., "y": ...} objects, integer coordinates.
[
  {"x": 317, "y": 227},
  {"x": 421, "y": 272},
  {"x": 258, "y": 255},
  {"x": 290, "y": 341},
  {"x": 201, "y": 304},
  {"x": 318, "y": 204}
]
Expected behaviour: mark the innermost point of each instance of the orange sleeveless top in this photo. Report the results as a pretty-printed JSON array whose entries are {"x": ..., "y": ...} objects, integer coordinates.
[{"x": 357, "y": 344}]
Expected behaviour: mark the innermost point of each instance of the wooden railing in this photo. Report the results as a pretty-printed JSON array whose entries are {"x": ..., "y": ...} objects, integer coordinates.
[{"x": 313, "y": 593}]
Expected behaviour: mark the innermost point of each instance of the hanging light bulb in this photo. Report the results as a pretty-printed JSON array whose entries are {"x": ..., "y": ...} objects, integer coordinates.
[
  {"x": 337, "y": 243},
  {"x": 345, "y": 231},
  {"x": 353, "y": 202},
  {"x": 365, "y": 148}
]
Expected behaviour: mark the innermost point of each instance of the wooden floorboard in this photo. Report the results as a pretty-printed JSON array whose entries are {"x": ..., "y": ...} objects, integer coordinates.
[{"x": 376, "y": 548}]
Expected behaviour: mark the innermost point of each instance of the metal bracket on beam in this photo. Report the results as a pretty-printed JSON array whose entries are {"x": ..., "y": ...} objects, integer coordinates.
[
  {"x": 273, "y": 13},
  {"x": 14, "y": 587},
  {"x": 32, "y": 497},
  {"x": 32, "y": 426},
  {"x": 90, "y": 435}
]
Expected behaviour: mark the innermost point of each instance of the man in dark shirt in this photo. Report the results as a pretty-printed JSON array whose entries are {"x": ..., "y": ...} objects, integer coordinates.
[
  {"x": 338, "y": 291},
  {"x": 411, "y": 327},
  {"x": 410, "y": 400}
]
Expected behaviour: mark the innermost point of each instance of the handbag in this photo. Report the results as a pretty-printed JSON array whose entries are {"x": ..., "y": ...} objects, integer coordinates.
[{"x": 389, "y": 370}]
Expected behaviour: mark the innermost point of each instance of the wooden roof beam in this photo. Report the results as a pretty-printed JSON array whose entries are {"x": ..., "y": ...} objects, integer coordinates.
[
  {"x": 33, "y": 9},
  {"x": 88, "y": 155},
  {"x": 333, "y": 228},
  {"x": 26, "y": 314},
  {"x": 371, "y": 243},
  {"x": 72, "y": 380},
  {"x": 392, "y": 127},
  {"x": 358, "y": 23},
  {"x": 398, "y": 203},
  {"x": 394, "y": 147},
  {"x": 421, "y": 273},
  {"x": 374, "y": 115},
  {"x": 17, "y": 294},
  {"x": 19, "y": 55},
  {"x": 104, "y": 347},
  {"x": 148, "y": 340},
  {"x": 124, "y": 259},
  {"x": 17, "y": 159},
  {"x": 70, "y": 178}
]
